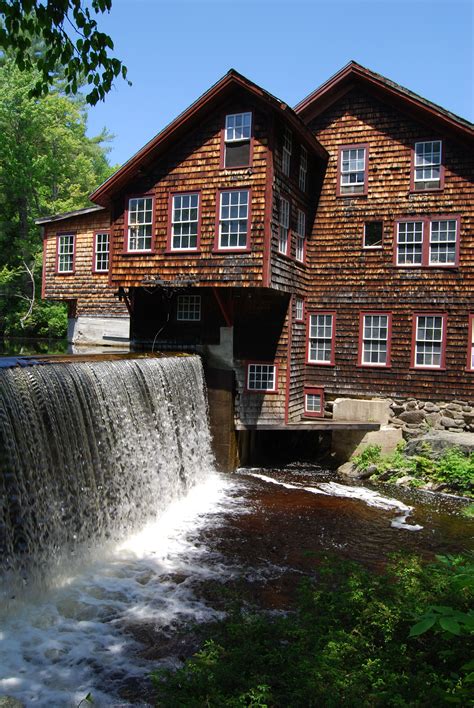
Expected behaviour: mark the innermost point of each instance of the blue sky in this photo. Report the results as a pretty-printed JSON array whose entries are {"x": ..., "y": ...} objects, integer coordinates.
[{"x": 175, "y": 49}]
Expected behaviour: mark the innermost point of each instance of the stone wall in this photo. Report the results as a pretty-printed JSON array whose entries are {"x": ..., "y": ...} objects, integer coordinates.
[{"x": 416, "y": 417}]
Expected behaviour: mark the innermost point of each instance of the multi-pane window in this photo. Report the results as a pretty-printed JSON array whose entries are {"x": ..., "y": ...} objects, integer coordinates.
[
  {"x": 321, "y": 338},
  {"x": 140, "y": 223},
  {"x": 427, "y": 242},
  {"x": 184, "y": 222},
  {"x": 102, "y": 252},
  {"x": 261, "y": 377},
  {"x": 427, "y": 165},
  {"x": 188, "y": 308},
  {"x": 303, "y": 169},
  {"x": 429, "y": 341},
  {"x": 352, "y": 168},
  {"x": 314, "y": 401},
  {"x": 410, "y": 243},
  {"x": 443, "y": 239},
  {"x": 286, "y": 152},
  {"x": 238, "y": 131},
  {"x": 284, "y": 226},
  {"x": 375, "y": 339},
  {"x": 299, "y": 309},
  {"x": 300, "y": 235},
  {"x": 66, "y": 253},
  {"x": 373, "y": 234},
  {"x": 233, "y": 219}
]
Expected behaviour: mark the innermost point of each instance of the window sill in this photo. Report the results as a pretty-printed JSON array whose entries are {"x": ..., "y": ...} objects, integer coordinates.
[
  {"x": 374, "y": 366},
  {"x": 67, "y": 272},
  {"x": 313, "y": 415},
  {"x": 182, "y": 252},
  {"x": 244, "y": 168},
  {"x": 223, "y": 251},
  {"x": 427, "y": 368},
  {"x": 261, "y": 391},
  {"x": 356, "y": 195},
  {"x": 434, "y": 190},
  {"x": 144, "y": 252},
  {"x": 327, "y": 364}
]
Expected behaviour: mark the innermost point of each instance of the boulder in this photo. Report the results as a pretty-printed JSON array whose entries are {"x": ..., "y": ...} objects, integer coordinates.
[
  {"x": 439, "y": 441},
  {"x": 406, "y": 479},
  {"x": 413, "y": 416}
]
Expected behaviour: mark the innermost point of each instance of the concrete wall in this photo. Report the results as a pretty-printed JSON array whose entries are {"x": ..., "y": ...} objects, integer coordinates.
[{"x": 99, "y": 330}]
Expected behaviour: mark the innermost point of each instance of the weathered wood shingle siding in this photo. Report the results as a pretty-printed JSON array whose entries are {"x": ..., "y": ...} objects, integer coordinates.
[
  {"x": 194, "y": 164},
  {"x": 91, "y": 291},
  {"x": 347, "y": 279}
]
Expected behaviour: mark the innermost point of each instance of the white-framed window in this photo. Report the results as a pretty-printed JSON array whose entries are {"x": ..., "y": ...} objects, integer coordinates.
[
  {"x": 429, "y": 341},
  {"x": 140, "y": 223},
  {"x": 373, "y": 234},
  {"x": 233, "y": 219},
  {"x": 410, "y": 243},
  {"x": 427, "y": 159},
  {"x": 303, "y": 174},
  {"x": 184, "y": 222},
  {"x": 353, "y": 170},
  {"x": 237, "y": 135},
  {"x": 321, "y": 338},
  {"x": 299, "y": 309},
  {"x": 300, "y": 236},
  {"x": 313, "y": 401},
  {"x": 443, "y": 242},
  {"x": 102, "y": 252},
  {"x": 65, "y": 260},
  {"x": 286, "y": 152},
  {"x": 284, "y": 226},
  {"x": 188, "y": 308},
  {"x": 261, "y": 377},
  {"x": 375, "y": 337},
  {"x": 428, "y": 242}
]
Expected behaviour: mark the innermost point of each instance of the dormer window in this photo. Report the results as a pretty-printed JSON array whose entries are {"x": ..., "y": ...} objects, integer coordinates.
[
  {"x": 427, "y": 166},
  {"x": 238, "y": 132},
  {"x": 352, "y": 179}
]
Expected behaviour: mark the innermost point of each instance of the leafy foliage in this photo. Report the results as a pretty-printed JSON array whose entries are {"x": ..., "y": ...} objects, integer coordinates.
[
  {"x": 348, "y": 643},
  {"x": 47, "y": 165},
  {"x": 453, "y": 468},
  {"x": 71, "y": 39}
]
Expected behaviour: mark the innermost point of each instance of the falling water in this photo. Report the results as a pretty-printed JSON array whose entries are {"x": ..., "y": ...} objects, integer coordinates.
[{"x": 92, "y": 451}]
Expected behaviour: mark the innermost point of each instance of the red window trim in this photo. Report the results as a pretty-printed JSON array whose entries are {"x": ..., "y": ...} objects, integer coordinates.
[
  {"x": 412, "y": 167},
  {"x": 261, "y": 390},
  {"x": 425, "y": 246},
  {"x": 319, "y": 391},
  {"x": 232, "y": 112},
  {"x": 169, "y": 238},
  {"x": 94, "y": 254},
  {"x": 470, "y": 335},
  {"x": 360, "y": 363},
  {"x": 300, "y": 319},
  {"x": 287, "y": 197},
  {"x": 366, "y": 173},
  {"x": 248, "y": 248},
  {"x": 74, "y": 248},
  {"x": 153, "y": 223},
  {"x": 373, "y": 248},
  {"x": 332, "y": 360},
  {"x": 415, "y": 316}
]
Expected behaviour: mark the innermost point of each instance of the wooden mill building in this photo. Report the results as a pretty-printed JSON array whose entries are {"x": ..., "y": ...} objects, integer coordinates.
[{"x": 310, "y": 254}]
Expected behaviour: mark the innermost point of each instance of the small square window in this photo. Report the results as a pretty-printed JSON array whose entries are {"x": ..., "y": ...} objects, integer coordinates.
[
  {"x": 373, "y": 234},
  {"x": 314, "y": 402},
  {"x": 189, "y": 308},
  {"x": 261, "y": 377}
]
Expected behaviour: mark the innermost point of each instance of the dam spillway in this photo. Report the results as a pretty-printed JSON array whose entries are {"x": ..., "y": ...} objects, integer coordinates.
[{"x": 92, "y": 450}]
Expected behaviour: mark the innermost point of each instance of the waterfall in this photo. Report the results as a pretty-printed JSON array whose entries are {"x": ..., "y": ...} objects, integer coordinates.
[{"x": 90, "y": 451}]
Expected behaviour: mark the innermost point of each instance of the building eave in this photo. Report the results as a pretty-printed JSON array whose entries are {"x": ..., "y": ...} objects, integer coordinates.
[{"x": 68, "y": 215}]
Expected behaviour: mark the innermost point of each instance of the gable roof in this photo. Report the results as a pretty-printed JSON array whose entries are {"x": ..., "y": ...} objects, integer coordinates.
[
  {"x": 354, "y": 74},
  {"x": 189, "y": 118},
  {"x": 68, "y": 214}
]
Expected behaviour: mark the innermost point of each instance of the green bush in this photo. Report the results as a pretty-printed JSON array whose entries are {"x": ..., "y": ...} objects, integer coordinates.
[{"x": 347, "y": 643}]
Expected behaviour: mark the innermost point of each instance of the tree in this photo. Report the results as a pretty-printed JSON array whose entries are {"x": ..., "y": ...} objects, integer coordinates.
[
  {"x": 48, "y": 165},
  {"x": 71, "y": 39}
]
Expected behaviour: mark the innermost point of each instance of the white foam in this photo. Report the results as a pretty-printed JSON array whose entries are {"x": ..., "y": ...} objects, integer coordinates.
[
  {"x": 368, "y": 496},
  {"x": 53, "y": 652}
]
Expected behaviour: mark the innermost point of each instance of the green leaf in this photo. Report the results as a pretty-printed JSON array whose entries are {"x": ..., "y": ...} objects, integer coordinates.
[
  {"x": 422, "y": 627},
  {"x": 449, "y": 625}
]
